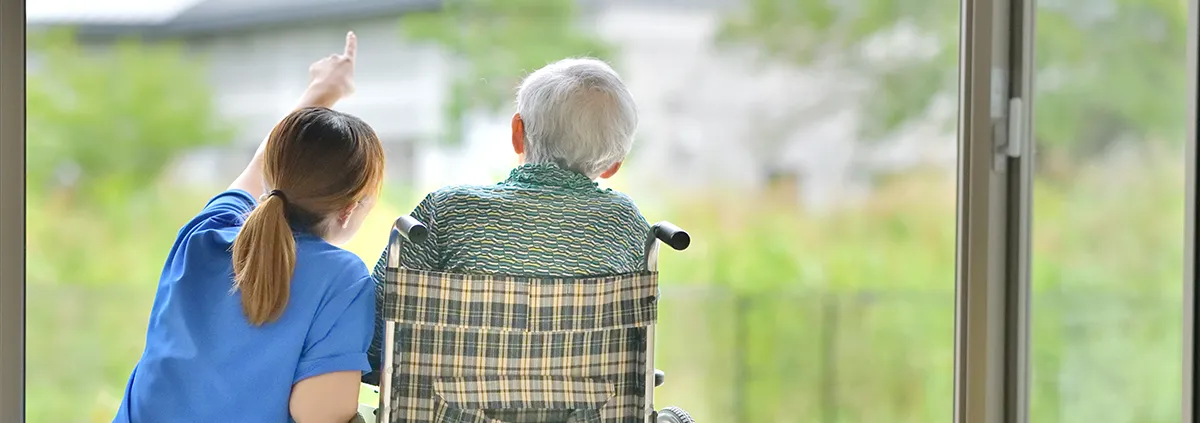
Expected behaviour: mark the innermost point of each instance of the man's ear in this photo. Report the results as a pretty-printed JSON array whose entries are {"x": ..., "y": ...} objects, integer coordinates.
[
  {"x": 518, "y": 134},
  {"x": 344, "y": 216},
  {"x": 612, "y": 170}
]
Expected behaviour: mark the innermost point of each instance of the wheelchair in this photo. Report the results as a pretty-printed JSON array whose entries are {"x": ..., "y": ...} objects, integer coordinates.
[{"x": 507, "y": 349}]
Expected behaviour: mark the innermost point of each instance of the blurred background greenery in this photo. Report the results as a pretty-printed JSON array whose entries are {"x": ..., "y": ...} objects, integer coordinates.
[{"x": 779, "y": 312}]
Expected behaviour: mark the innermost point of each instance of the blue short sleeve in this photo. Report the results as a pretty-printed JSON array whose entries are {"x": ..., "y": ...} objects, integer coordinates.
[
  {"x": 232, "y": 202},
  {"x": 340, "y": 332},
  {"x": 227, "y": 209}
]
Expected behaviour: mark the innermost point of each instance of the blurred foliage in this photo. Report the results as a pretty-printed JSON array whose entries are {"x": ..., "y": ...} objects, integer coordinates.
[
  {"x": 1101, "y": 67},
  {"x": 775, "y": 314},
  {"x": 847, "y": 315},
  {"x": 105, "y": 122},
  {"x": 495, "y": 44},
  {"x": 90, "y": 288}
]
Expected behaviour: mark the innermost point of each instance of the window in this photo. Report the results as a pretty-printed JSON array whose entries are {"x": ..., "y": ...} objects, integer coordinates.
[
  {"x": 1107, "y": 255},
  {"x": 1038, "y": 283}
]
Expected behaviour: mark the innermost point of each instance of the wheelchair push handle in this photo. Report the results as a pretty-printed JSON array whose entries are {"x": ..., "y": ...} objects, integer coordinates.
[
  {"x": 672, "y": 235},
  {"x": 411, "y": 229}
]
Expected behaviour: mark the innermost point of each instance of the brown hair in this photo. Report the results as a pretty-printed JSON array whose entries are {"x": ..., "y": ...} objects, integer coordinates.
[{"x": 320, "y": 161}]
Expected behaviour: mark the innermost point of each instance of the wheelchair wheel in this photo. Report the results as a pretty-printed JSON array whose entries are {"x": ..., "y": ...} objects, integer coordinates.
[{"x": 674, "y": 415}]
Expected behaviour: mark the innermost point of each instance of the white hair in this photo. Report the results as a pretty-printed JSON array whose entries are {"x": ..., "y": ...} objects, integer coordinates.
[{"x": 578, "y": 114}]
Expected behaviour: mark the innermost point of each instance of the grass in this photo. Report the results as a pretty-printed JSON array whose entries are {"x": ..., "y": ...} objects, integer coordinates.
[
  {"x": 774, "y": 314},
  {"x": 91, "y": 281}
]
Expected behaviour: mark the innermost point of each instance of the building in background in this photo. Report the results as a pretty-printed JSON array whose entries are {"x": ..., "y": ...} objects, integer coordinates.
[
  {"x": 709, "y": 116},
  {"x": 258, "y": 53}
]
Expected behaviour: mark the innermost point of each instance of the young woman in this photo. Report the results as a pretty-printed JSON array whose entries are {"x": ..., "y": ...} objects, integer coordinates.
[{"x": 259, "y": 316}]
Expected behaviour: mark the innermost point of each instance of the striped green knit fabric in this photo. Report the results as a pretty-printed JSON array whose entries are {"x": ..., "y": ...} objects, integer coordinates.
[{"x": 542, "y": 221}]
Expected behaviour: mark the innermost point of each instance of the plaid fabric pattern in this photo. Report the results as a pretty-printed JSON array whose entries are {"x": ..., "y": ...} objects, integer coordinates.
[
  {"x": 455, "y": 300},
  {"x": 521, "y": 400},
  {"x": 510, "y": 303},
  {"x": 495, "y": 349}
]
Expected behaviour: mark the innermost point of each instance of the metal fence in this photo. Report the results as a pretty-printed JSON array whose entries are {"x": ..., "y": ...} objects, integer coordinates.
[
  {"x": 850, "y": 356},
  {"x": 887, "y": 356}
]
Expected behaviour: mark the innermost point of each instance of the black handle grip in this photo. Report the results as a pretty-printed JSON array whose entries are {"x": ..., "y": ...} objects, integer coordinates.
[
  {"x": 671, "y": 235},
  {"x": 411, "y": 229}
]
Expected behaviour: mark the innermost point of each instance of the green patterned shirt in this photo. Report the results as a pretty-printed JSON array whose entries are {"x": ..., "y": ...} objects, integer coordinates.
[{"x": 542, "y": 221}]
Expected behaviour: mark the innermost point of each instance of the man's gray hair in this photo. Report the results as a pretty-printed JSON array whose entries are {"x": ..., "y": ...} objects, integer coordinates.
[{"x": 578, "y": 114}]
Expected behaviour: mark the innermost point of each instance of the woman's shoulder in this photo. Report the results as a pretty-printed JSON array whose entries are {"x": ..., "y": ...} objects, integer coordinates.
[
  {"x": 326, "y": 275},
  {"x": 227, "y": 209},
  {"x": 324, "y": 261}
]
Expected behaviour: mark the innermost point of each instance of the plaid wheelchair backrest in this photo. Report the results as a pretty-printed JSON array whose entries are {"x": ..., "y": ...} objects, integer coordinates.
[{"x": 498, "y": 349}]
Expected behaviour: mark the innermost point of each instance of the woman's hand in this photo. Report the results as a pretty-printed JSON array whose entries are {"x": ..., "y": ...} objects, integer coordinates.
[{"x": 332, "y": 78}]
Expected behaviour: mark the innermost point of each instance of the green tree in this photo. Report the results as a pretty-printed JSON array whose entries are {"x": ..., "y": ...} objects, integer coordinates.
[
  {"x": 1102, "y": 68},
  {"x": 118, "y": 116},
  {"x": 496, "y": 43}
]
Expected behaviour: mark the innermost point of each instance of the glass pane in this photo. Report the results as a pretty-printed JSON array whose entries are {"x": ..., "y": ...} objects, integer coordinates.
[
  {"x": 808, "y": 147},
  {"x": 1108, "y": 211},
  {"x": 811, "y": 153}
]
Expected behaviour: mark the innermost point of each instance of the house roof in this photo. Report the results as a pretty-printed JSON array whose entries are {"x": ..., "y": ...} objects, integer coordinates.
[
  {"x": 195, "y": 17},
  {"x": 122, "y": 12},
  {"x": 153, "y": 18}
]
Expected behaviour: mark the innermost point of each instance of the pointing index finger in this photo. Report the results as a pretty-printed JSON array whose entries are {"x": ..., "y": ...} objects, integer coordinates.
[{"x": 351, "y": 45}]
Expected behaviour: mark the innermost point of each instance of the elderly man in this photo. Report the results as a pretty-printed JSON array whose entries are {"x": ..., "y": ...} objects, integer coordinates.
[{"x": 574, "y": 123}]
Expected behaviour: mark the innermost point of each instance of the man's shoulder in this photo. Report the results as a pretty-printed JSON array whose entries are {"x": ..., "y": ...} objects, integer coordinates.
[
  {"x": 458, "y": 195},
  {"x": 450, "y": 192},
  {"x": 546, "y": 203},
  {"x": 621, "y": 198}
]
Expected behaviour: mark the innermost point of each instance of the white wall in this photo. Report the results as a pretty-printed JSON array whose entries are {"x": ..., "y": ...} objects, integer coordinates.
[
  {"x": 704, "y": 111},
  {"x": 258, "y": 76}
]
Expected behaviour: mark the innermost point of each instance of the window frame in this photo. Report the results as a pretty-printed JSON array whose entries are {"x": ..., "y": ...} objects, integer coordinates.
[
  {"x": 993, "y": 217},
  {"x": 12, "y": 210},
  {"x": 994, "y": 220},
  {"x": 1192, "y": 208}
]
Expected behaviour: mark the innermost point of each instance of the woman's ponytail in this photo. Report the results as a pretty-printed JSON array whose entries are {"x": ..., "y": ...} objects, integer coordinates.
[
  {"x": 264, "y": 259},
  {"x": 326, "y": 161}
]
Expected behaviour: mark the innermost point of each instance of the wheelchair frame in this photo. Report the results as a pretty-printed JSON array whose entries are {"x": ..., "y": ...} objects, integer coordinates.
[{"x": 408, "y": 228}]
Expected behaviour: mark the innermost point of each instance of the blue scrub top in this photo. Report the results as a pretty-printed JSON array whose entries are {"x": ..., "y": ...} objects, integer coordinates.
[{"x": 204, "y": 362}]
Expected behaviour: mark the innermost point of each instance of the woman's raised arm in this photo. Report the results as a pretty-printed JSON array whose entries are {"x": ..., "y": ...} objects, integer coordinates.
[{"x": 331, "y": 79}]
